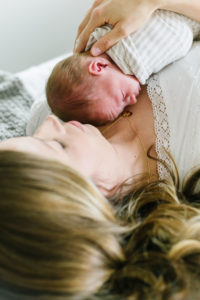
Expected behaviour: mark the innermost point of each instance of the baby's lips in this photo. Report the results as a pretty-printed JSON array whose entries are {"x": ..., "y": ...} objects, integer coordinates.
[{"x": 132, "y": 99}]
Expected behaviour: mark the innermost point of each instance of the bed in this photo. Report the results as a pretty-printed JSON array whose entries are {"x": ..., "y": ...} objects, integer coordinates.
[{"x": 34, "y": 80}]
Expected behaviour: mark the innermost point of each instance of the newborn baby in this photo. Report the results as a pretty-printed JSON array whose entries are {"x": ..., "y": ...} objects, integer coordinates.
[
  {"x": 90, "y": 89},
  {"x": 97, "y": 89}
]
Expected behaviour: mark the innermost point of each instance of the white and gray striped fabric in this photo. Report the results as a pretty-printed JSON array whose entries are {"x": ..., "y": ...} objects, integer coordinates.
[{"x": 166, "y": 37}]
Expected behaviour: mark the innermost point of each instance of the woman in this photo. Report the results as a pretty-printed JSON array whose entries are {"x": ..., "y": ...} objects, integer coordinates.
[
  {"x": 55, "y": 223},
  {"x": 60, "y": 239}
]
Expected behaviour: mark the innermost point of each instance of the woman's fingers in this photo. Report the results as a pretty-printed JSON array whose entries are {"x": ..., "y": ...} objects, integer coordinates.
[
  {"x": 126, "y": 16},
  {"x": 94, "y": 19},
  {"x": 120, "y": 30},
  {"x": 108, "y": 40},
  {"x": 78, "y": 45},
  {"x": 81, "y": 28}
]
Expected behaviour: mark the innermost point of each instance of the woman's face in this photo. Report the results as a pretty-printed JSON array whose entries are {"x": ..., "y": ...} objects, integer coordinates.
[{"x": 80, "y": 146}]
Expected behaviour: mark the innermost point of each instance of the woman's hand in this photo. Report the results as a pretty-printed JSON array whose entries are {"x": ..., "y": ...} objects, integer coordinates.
[{"x": 126, "y": 16}]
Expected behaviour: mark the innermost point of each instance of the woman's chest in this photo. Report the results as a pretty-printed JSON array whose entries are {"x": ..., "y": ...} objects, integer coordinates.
[{"x": 175, "y": 98}]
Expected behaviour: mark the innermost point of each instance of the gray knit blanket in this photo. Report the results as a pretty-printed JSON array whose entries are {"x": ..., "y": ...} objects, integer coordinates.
[{"x": 15, "y": 104}]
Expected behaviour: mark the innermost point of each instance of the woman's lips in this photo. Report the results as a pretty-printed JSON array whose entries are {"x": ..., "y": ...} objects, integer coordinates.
[{"x": 77, "y": 124}]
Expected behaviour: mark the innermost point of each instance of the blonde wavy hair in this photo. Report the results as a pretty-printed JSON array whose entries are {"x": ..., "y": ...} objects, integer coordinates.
[{"x": 61, "y": 239}]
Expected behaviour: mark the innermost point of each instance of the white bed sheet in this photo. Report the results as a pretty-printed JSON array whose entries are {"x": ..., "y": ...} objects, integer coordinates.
[{"x": 34, "y": 80}]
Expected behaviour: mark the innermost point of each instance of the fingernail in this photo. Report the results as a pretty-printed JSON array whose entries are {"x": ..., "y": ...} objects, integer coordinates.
[{"x": 96, "y": 51}]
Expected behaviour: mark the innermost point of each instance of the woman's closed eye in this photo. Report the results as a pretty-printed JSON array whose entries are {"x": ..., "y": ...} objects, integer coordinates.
[{"x": 64, "y": 146}]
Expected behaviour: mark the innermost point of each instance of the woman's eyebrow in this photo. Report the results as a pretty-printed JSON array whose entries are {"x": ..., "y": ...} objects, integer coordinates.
[
  {"x": 38, "y": 139},
  {"x": 41, "y": 141},
  {"x": 46, "y": 144}
]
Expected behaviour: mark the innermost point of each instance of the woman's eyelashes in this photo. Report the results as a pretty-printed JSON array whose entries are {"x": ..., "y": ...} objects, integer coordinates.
[{"x": 64, "y": 146}]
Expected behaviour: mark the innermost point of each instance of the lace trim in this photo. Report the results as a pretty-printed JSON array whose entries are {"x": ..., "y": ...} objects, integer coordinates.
[{"x": 161, "y": 125}]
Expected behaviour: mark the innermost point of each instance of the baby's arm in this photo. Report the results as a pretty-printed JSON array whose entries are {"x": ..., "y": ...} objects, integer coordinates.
[{"x": 166, "y": 37}]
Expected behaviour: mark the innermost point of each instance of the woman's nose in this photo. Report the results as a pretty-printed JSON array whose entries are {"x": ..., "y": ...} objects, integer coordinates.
[
  {"x": 56, "y": 124},
  {"x": 50, "y": 127}
]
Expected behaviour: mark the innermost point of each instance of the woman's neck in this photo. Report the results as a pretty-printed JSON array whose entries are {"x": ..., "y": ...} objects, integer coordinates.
[{"x": 132, "y": 137}]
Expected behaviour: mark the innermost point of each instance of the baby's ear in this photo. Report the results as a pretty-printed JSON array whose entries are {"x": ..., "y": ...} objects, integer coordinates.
[{"x": 97, "y": 66}]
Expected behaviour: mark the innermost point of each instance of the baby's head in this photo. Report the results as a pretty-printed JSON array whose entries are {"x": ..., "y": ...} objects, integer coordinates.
[{"x": 90, "y": 89}]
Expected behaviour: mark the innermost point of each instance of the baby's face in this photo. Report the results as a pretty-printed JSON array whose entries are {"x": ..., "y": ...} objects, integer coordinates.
[{"x": 109, "y": 95}]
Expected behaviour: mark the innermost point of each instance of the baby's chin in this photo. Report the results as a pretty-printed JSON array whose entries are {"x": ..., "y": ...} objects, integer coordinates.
[
  {"x": 93, "y": 121},
  {"x": 99, "y": 121},
  {"x": 99, "y": 117}
]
